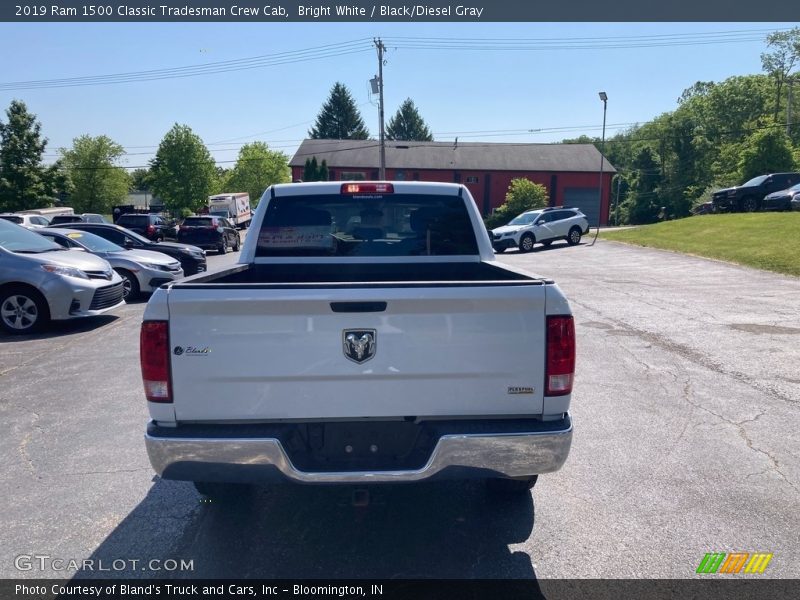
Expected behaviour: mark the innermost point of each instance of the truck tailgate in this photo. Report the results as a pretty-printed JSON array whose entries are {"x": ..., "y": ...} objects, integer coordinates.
[{"x": 262, "y": 353}]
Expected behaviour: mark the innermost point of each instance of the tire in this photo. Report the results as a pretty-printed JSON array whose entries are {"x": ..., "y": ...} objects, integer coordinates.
[
  {"x": 130, "y": 285},
  {"x": 748, "y": 204},
  {"x": 159, "y": 239},
  {"x": 23, "y": 310},
  {"x": 221, "y": 491},
  {"x": 574, "y": 236},
  {"x": 223, "y": 247},
  {"x": 526, "y": 242},
  {"x": 500, "y": 250},
  {"x": 238, "y": 244},
  {"x": 512, "y": 487}
]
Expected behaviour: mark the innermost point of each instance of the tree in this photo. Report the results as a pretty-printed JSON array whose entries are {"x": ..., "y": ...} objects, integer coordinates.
[
  {"x": 97, "y": 182},
  {"x": 24, "y": 181},
  {"x": 766, "y": 151},
  {"x": 522, "y": 195},
  {"x": 339, "y": 118},
  {"x": 642, "y": 204},
  {"x": 310, "y": 169},
  {"x": 140, "y": 180},
  {"x": 408, "y": 125},
  {"x": 781, "y": 60},
  {"x": 257, "y": 168},
  {"x": 183, "y": 173},
  {"x": 315, "y": 172}
]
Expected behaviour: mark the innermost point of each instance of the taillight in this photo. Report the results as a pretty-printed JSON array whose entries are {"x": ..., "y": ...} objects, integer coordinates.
[
  {"x": 151, "y": 229},
  {"x": 154, "y": 358},
  {"x": 560, "y": 355}
]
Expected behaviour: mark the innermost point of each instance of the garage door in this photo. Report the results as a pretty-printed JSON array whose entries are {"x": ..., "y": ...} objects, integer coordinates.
[{"x": 587, "y": 199}]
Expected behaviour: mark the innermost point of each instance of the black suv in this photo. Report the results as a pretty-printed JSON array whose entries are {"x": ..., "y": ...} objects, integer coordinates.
[
  {"x": 153, "y": 227},
  {"x": 215, "y": 233},
  {"x": 748, "y": 196},
  {"x": 192, "y": 259}
]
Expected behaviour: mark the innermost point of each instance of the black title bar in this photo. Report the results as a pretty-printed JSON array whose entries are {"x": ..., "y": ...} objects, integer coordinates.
[{"x": 282, "y": 11}]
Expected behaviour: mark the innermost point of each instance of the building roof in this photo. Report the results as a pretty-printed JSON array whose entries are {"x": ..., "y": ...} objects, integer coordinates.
[{"x": 467, "y": 156}]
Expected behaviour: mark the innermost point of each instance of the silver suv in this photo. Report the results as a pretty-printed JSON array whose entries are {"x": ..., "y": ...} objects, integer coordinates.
[{"x": 541, "y": 226}]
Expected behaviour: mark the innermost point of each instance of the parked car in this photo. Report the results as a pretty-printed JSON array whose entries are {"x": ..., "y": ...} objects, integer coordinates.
[
  {"x": 543, "y": 226},
  {"x": 40, "y": 281},
  {"x": 62, "y": 219},
  {"x": 141, "y": 270},
  {"x": 192, "y": 258},
  {"x": 748, "y": 197},
  {"x": 781, "y": 200},
  {"x": 214, "y": 233},
  {"x": 32, "y": 221},
  {"x": 153, "y": 227},
  {"x": 94, "y": 218}
]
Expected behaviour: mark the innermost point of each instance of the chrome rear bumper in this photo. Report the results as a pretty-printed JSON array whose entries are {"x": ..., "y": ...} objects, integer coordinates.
[{"x": 254, "y": 460}]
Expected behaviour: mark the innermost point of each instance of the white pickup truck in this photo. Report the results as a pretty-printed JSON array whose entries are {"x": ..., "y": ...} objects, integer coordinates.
[{"x": 367, "y": 335}]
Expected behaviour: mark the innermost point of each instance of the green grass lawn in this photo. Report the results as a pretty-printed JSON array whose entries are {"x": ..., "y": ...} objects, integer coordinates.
[{"x": 768, "y": 241}]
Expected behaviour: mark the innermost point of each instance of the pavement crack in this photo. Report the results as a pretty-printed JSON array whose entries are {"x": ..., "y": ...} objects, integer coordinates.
[
  {"x": 690, "y": 354},
  {"x": 742, "y": 432},
  {"x": 106, "y": 472}
]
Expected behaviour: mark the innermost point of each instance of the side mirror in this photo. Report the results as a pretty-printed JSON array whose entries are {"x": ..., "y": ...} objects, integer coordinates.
[{"x": 128, "y": 243}]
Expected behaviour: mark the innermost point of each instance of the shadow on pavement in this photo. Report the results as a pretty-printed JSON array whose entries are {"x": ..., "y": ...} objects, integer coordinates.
[
  {"x": 57, "y": 329},
  {"x": 431, "y": 530}
]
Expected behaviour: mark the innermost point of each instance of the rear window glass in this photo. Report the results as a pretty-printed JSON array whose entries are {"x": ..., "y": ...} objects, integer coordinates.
[
  {"x": 197, "y": 222},
  {"x": 133, "y": 220},
  {"x": 369, "y": 225},
  {"x": 12, "y": 218}
]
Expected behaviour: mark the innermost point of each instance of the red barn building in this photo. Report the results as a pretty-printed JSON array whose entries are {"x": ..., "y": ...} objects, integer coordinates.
[{"x": 570, "y": 172}]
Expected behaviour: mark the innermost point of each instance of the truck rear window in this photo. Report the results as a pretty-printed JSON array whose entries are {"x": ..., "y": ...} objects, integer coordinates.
[
  {"x": 198, "y": 222},
  {"x": 369, "y": 225}
]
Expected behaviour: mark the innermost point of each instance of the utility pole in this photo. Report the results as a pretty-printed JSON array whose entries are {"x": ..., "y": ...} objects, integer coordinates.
[
  {"x": 381, "y": 48},
  {"x": 789, "y": 82}
]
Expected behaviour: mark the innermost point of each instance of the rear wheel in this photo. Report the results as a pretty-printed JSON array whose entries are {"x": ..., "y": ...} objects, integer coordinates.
[
  {"x": 749, "y": 204},
  {"x": 238, "y": 243},
  {"x": 574, "y": 236},
  {"x": 526, "y": 243},
  {"x": 223, "y": 247},
  {"x": 512, "y": 487},
  {"x": 23, "y": 310},
  {"x": 130, "y": 285}
]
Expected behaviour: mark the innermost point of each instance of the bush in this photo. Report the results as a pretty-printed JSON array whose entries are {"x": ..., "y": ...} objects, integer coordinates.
[{"x": 522, "y": 195}]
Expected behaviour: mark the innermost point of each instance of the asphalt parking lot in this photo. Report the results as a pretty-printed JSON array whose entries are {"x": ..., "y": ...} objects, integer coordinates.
[{"x": 686, "y": 410}]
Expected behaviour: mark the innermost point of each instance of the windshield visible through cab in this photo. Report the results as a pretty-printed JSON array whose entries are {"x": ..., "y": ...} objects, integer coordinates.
[
  {"x": 755, "y": 181},
  {"x": 524, "y": 219}
]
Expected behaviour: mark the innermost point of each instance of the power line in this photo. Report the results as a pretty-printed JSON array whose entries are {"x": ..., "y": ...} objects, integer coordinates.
[
  {"x": 255, "y": 62},
  {"x": 410, "y": 43}
]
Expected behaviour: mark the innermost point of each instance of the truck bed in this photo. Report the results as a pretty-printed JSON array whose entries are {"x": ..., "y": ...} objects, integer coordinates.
[{"x": 363, "y": 273}]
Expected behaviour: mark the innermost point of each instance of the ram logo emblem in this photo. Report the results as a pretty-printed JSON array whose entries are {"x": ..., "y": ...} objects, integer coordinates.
[{"x": 359, "y": 344}]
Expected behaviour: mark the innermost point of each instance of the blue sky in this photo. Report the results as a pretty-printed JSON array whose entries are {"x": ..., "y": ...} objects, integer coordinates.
[{"x": 456, "y": 91}]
